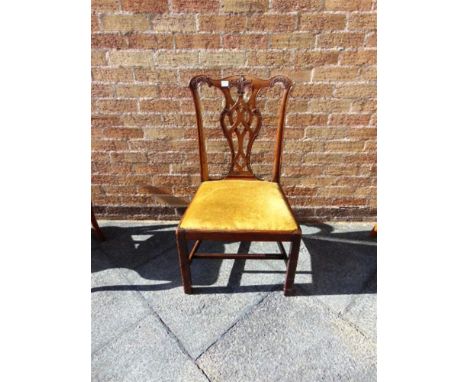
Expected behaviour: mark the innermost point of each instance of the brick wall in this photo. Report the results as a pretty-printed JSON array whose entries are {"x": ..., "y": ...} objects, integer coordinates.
[{"x": 144, "y": 148}]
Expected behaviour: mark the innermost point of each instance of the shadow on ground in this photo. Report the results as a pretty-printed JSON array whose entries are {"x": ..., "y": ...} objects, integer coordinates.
[{"x": 338, "y": 262}]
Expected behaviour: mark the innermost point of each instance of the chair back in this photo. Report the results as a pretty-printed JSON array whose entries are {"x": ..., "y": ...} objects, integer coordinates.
[{"x": 241, "y": 121}]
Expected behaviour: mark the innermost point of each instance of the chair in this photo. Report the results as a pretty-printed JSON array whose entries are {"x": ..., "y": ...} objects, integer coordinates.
[{"x": 241, "y": 206}]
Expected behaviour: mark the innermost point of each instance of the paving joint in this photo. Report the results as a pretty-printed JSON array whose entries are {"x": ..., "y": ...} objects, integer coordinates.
[
  {"x": 166, "y": 328},
  {"x": 120, "y": 334},
  {"x": 242, "y": 317}
]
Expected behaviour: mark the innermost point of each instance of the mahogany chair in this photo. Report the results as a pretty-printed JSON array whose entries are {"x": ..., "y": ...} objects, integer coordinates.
[{"x": 241, "y": 206}]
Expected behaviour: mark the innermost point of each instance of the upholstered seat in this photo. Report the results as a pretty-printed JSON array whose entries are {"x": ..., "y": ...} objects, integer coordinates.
[{"x": 239, "y": 205}]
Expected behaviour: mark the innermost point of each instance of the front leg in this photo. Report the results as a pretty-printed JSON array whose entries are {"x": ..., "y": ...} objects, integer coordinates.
[{"x": 184, "y": 263}]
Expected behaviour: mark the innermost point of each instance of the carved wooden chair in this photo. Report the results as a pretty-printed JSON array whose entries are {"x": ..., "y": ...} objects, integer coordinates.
[{"x": 241, "y": 206}]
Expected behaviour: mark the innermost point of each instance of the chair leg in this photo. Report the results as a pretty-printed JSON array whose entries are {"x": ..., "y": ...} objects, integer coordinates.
[
  {"x": 97, "y": 229},
  {"x": 184, "y": 262},
  {"x": 291, "y": 266}
]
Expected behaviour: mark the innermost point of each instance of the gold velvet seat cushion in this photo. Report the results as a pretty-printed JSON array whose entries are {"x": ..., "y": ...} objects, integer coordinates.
[{"x": 239, "y": 205}]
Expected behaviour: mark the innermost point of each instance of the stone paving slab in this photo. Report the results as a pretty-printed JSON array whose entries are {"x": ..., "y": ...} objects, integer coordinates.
[
  {"x": 291, "y": 339},
  {"x": 111, "y": 313},
  {"x": 146, "y": 353}
]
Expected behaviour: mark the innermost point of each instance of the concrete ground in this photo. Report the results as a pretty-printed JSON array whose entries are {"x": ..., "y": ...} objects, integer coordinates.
[{"x": 237, "y": 326}]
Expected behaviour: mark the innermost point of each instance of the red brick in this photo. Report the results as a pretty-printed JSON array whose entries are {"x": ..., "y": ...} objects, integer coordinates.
[
  {"x": 130, "y": 157},
  {"x": 312, "y": 90},
  {"x": 223, "y": 23},
  {"x": 145, "y": 6},
  {"x": 137, "y": 91},
  {"x": 179, "y": 23},
  {"x": 112, "y": 168},
  {"x": 335, "y": 73},
  {"x": 298, "y": 106},
  {"x": 123, "y": 133},
  {"x": 349, "y": 119},
  {"x": 105, "y": 5},
  {"x": 268, "y": 58},
  {"x": 293, "y": 40},
  {"x": 109, "y": 40},
  {"x": 316, "y": 58},
  {"x": 250, "y": 41},
  {"x": 364, "y": 105},
  {"x": 155, "y": 75},
  {"x": 296, "y": 5},
  {"x": 356, "y": 91},
  {"x": 340, "y": 40},
  {"x": 348, "y": 5},
  {"x": 161, "y": 106},
  {"x": 197, "y": 41},
  {"x": 182, "y": 6},
  {"x": 115, "y": 106},
  {"x": 109, "y": 144},
  {"x": 242, "y": 6},
  {"x": 319, "y": 22},
  {"x": 213, "y": 59},
  {"x": 105, "y": 121},
  {"x": 272, "y": 23},
  {"x": 125, "y": 23},
  {"x": 307, "y": 119},
  {"x": 113, "y": 75},
  {"x": 141, "y": 120},
  {"x": 344, "y": 146},
  {"x": 329, "y": 105},
  {"x": 101, "y": 156},
  {"x": 362, "y": 21},
  {"x": 175, "y": 92},
  {"x": 150, "y": 41},
  {"x": 102, "y": 90},
  {"x": 131, "y": 57}
]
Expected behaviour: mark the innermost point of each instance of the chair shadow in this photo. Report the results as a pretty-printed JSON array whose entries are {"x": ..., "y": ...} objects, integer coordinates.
[
  {"x": 149, "y": 250},
  {"x": 340, "y": 262}
]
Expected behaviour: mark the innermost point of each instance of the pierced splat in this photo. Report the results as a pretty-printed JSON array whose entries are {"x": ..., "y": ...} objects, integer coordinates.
[{"x": 240, "y": 120}]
